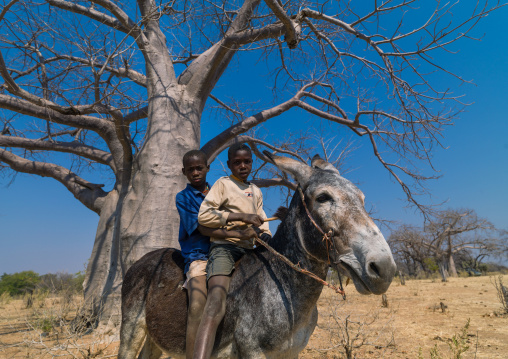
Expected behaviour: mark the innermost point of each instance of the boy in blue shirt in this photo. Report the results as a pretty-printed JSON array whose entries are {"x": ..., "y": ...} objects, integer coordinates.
[{"x": 195, "y": 243}]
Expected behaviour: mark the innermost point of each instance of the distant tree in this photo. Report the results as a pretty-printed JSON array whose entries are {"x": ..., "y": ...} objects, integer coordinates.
[
  {"x": 409, "y": 250},
  {"x": 503, "y": 240},
  {"x": 452, "y": 231},
  {"x": 449, "y": 234},
  {"x": 62, "y": 281},
  {"x": 18, "y": 283},
  {"x": 122, "y": 87}
]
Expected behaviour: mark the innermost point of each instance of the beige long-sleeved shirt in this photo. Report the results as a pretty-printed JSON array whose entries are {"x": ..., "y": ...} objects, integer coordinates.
[{"x": 228, "y": 195}]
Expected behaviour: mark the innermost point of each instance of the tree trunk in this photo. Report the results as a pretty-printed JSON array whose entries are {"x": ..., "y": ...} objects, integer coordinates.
[
  {"x": 443, "y": 271},
  {"x": 451, "y": 267},
  {"x": 140, "y": 215},
  {"x": 103, "y": 270},
  {"x": 145, "y": 217},
  {"x": 402, "y": 278}
]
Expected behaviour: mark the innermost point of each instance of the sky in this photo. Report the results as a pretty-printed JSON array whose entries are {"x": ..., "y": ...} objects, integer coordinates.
[{"x": 43, "y": 228}]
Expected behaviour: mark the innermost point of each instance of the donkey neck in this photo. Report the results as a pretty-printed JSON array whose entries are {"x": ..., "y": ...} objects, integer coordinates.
[{"x": 292, "y": 240}]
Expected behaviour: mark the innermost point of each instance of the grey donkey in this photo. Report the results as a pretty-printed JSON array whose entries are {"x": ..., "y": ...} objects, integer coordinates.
[{"x": 271, "y": 309}]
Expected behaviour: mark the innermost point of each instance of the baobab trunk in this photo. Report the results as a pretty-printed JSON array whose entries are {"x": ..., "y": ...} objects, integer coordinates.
[
  {"x": 449, "y": 256},
  {"x": 442, "y": 270},
  {"x": 451, "y": 267},
  {"x": 140, "y": 214}
]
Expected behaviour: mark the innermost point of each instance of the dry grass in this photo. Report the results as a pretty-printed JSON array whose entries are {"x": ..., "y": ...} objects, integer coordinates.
[
  {"x": 416, "y": 320},
  {"x": 41, "y": 329},
  {"x": 412, "y": 323}
]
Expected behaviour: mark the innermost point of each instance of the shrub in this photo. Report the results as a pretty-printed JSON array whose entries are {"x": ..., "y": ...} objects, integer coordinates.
[
  {"x": 496, "y": 267},
  {"x": 46, "y": 324},
  {"x": 5, "y": 298},
  {"x": 431, "y": 264},
  {"x": 502, "y": 293},
  {"x": 18, "y": 283},
  {"x": 77, "y": 281},
  {"x": 483, "y": 267},
  {"x": 458, "y": 345}
]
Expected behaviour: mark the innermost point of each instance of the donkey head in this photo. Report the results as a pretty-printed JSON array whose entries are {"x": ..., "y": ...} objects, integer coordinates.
[{"x": 357, "y": 248}]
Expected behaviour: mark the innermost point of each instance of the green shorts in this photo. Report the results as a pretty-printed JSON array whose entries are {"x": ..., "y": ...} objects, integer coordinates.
[{"x": 222, "y": 258}]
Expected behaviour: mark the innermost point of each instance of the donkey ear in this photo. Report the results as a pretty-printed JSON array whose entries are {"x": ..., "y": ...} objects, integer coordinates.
[
  {"x": 318, "y": 162},
  {"x": 299, "y": 170}
]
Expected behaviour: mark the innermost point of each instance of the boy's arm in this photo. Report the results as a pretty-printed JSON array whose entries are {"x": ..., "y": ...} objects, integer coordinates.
[
  {"x": 221, "y": 233},
  {"x": 211, "y": 216},
  {"x": 254, "y": 219},
  {"x": 265, "y": 229},
  {"x": 209, "y": 213},
  {"x": 188, "y": 213}
]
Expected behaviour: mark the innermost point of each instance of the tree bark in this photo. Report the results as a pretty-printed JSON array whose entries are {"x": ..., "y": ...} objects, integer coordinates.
[
  {"x": 443, "y": 271},
  {"x": 103, "y": 273},
  {"x": 141, "y": 216},
  {"x": 451, "y": 267}
]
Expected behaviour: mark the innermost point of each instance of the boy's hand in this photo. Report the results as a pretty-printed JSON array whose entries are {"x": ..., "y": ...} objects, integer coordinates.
[
  {"x": 253, "y": 219},
  {"x": 248, "y": 233},
  {"x": 265, "y": 237}
]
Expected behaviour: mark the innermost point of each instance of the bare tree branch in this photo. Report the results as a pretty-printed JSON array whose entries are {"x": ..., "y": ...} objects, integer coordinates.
[
  {"x": 90, "y": 194},
  {"x": 135, "y": 76},
  {"x": 271, "y": 182},
  {"x": 136, "y": 115},
  {"x": 219, "y": 141},
  {"x": 292, "y": 29},
  {"x": 120, "y": 15},
  {"x": 76, "y": 148},
  {"x": 24, "y": 107},
  {"x": 14, "y": 88},
  {"x": 152, "y": 43},
  {"x": 6, "y": 8},
  {"x": 92, "y": 13},
  {"x": 204, "y": 72}
]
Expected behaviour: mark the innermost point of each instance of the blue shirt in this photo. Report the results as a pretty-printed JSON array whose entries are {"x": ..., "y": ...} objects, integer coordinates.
[{"x": 193, "y": 244}]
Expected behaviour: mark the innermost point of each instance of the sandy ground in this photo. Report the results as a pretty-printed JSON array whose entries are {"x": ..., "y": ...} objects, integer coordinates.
[{"x": 413, "y": 322}]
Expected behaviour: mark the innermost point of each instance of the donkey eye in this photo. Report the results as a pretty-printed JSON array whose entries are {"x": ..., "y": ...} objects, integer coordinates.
[{"x": 323, "y": 197}]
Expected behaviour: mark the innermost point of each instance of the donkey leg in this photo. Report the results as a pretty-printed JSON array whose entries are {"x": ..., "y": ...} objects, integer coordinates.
[
  {"x": 150, "y": 350},
  {"x": 132, "y": 335}
]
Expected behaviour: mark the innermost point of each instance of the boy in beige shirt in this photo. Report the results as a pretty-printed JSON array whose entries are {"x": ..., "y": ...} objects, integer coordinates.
[{"x": 235, "y": 203}]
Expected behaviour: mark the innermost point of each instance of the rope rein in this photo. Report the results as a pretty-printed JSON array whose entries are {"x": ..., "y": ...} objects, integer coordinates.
[{"x": 327, "y": 237}]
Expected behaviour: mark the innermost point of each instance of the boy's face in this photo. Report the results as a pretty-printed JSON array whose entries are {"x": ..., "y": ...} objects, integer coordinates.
[
  {"x": 241, "y": 164},
  {"x": 195, "y": 169}
]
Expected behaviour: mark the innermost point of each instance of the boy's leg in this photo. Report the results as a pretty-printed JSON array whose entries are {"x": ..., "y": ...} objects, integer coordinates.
[
  {"x": 218, "y": 287},
  {"x": 196, "y": 289}
]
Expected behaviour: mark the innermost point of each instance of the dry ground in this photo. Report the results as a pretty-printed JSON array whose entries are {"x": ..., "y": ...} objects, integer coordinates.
[{"x": 413, "y": 320}]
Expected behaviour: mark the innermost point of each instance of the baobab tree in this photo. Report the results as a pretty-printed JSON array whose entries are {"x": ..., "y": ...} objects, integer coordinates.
[
  {"x": 452, "y": 231},
  {"x": 448, "y": 234},
  {"x": 408, "y": 245},
  {"x": 122, "y": 87}
]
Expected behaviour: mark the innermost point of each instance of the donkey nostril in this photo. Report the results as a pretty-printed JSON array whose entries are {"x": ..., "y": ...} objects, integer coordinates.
[{"x": 374, "y": 268}]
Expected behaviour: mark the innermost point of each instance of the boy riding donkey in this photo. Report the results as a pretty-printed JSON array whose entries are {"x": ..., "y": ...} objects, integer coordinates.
[
  {"x": 231, "y": 199},
  {"x": 195, "y": 243}
]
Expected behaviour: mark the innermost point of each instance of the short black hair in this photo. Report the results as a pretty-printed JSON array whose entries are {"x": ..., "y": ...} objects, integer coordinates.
[
  {"x": 194, "y": 153},
  {"x": 238, "y": 147}
]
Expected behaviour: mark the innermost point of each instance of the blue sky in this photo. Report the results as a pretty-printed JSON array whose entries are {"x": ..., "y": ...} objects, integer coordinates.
[{"x": 43, "y": 228}]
